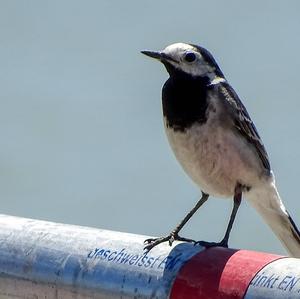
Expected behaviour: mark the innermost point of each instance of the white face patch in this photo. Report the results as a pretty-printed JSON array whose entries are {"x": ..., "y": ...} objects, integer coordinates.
[{"x": 198, "y": 67}]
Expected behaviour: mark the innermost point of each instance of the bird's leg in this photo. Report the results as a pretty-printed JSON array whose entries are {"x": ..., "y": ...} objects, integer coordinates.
[
  {"x": 236, "y": 203},
  {"x": 152, "y": 242}
]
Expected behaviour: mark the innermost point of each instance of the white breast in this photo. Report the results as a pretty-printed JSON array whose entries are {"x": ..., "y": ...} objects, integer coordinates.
[{"x": 215, "y": 158}]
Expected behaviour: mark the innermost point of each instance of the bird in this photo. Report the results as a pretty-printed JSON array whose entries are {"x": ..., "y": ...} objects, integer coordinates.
[{"x": 217, "y": 144}]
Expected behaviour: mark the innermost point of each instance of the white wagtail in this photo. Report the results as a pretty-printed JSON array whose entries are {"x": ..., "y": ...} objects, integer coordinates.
[{"x": 216, "y": 142}]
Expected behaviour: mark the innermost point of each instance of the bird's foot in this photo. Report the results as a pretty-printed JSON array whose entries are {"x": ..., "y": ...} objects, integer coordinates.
[
  {"x": 223, "y": 243},
  {"x": 173, "y": 236}
]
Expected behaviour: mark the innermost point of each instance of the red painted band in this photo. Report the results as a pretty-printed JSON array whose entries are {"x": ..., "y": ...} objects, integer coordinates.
[{"x": 219, "y": 273}]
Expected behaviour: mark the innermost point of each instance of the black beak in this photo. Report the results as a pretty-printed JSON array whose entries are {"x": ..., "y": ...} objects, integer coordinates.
[
  {"x": 152, "y": 54},
  {"x": 159, "y": 55}
]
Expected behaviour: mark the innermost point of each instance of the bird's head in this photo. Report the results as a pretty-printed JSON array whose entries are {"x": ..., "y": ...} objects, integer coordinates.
[{"x": 187, "y": 58}]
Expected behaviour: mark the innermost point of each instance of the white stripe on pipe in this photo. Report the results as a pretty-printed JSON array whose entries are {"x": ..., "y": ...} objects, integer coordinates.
[{"x": 280, "y": 279}]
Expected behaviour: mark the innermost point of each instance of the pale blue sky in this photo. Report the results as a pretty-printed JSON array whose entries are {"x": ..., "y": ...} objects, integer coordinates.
[{"x": 81, "y": 131}]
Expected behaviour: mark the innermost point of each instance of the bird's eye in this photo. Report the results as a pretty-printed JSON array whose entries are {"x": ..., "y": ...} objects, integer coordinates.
[{"x": 190, "y": 57}]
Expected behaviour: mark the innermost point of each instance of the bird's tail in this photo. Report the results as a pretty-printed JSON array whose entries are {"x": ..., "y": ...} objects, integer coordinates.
[{"x": 267, "y": 202}]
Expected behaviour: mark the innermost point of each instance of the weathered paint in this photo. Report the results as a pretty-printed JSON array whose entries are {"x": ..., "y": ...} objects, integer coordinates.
[
  {"x": 41, "y": 259},
  {"x": 219, "y": 273},
  {"x": 278, "y": 280}
]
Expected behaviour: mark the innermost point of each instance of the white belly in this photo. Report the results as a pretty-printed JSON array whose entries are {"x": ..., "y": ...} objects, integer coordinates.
[{"x": 215, "y": 158}]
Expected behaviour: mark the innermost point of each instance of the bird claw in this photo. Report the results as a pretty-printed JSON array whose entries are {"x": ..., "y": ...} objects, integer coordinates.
[{"x": 152, "y": 242}]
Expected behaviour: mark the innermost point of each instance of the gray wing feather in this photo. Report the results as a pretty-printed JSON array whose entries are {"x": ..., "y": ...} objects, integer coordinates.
[{"x": 244, "y": 124}]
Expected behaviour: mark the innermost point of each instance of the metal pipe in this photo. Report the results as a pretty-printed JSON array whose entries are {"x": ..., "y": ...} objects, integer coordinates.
[{"x": 40, "y": 259}]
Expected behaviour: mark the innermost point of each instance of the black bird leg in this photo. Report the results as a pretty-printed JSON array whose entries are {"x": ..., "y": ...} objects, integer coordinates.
[
  {"x": 236, "y": 203},
  {"x": 152, "y": 242}
]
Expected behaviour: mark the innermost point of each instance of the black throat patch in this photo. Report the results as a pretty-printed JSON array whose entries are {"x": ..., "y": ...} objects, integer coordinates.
[{"x": 184, "y": 99}]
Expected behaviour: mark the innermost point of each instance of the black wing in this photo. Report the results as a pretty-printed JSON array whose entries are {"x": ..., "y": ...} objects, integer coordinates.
[{"x": 243, "y": 123}]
